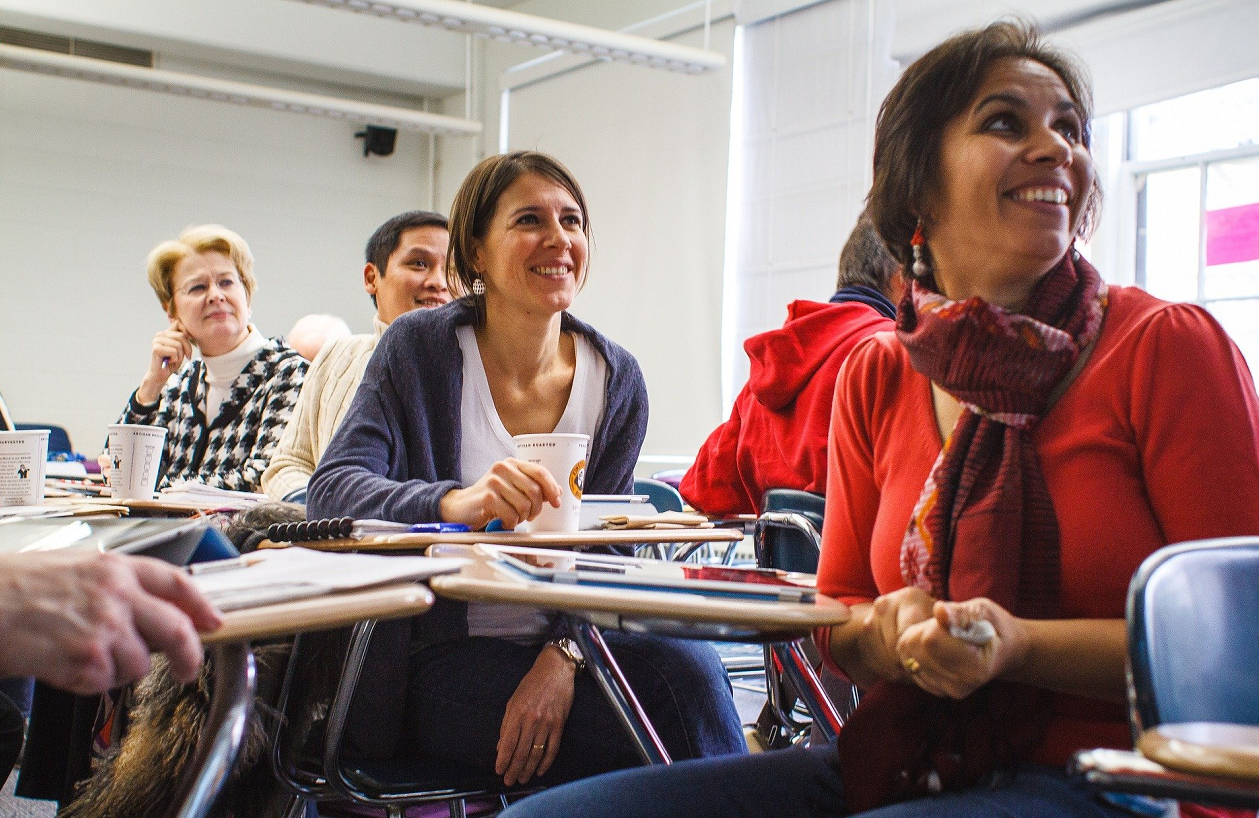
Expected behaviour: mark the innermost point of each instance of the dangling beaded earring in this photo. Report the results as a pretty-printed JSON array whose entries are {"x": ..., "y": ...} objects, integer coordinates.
[
  {"x": 478, "y": 286},
  {"x": 916, "y": 243}
]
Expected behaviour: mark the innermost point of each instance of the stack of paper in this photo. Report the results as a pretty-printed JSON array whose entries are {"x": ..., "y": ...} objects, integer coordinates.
[
  {"x": 190, "y": 491},
  {"x": 278, "y": 575}
]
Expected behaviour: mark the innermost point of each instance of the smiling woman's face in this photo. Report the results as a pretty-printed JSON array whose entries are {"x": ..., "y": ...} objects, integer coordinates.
[
  {"x": 533, "y": 256},
  {"x": 210, "y": 302},
  {"x": 1015, "y": 176}
]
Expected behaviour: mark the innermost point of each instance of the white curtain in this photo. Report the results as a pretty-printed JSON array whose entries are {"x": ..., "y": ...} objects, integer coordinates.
[{"x": 809, "y": 84}]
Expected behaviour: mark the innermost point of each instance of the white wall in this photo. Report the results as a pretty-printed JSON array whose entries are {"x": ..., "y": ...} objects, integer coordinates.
[
  {"x": 812, "y": 83},
  {"x": 649, "y": 149},
  {"x": 92, "y": 177}
]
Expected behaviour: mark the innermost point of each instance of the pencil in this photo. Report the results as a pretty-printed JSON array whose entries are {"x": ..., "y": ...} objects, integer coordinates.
[{"x": 225, "y": 565}]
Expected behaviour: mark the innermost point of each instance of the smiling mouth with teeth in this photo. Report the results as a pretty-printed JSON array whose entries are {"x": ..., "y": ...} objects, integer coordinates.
[
  {"x": 1054, "y": 195},
  {"x": 551, "y": 271}
]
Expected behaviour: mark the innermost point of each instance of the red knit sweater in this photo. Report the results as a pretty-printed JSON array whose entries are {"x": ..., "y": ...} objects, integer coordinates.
[{"x": 1154, "y": 443}]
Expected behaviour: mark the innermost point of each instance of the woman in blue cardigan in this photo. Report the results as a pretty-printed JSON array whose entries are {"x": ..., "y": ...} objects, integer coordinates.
[{"x": 429, "y": 438}]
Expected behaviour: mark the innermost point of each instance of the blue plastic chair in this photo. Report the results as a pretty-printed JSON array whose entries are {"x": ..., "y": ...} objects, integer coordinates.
[
  {"x": 661, "y": 495},
  {"x": 58, "y": 438},
  {"x": 1193, "y": 631},
  {"x": 1193, "y": 616}
]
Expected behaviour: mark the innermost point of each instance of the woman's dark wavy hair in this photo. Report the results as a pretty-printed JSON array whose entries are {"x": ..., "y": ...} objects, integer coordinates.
[{"x": 933, "y": 90}]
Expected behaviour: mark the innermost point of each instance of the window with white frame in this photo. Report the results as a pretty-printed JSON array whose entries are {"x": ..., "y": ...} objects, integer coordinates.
[{"x": 1194, "y": 162}]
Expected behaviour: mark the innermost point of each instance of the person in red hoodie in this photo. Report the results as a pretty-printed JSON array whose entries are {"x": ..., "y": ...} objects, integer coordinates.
[{"x": 776, "y": 435}]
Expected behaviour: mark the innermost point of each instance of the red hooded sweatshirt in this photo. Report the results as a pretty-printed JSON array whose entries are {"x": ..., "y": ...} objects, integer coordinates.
[{"x": 776, "y": 436}]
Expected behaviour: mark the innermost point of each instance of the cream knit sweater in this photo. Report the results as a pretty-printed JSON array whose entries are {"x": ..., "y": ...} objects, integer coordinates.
[{"x": 329, "y": 388}]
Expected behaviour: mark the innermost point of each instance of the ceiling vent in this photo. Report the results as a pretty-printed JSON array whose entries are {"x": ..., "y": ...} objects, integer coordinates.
[{"x": 76, "y": 46}]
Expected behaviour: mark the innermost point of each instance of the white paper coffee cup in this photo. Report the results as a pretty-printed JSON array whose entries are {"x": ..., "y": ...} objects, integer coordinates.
[
  {"x": 23, "y": 456},
  {"x": 135, "y": 455},
  {"x": 564, "y": 456}
]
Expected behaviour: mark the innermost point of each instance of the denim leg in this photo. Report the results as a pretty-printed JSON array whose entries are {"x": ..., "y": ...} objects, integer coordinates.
[
  {"x": 459, "y": 693},
  {"x": 685, "y": 690},
  {"x": 795, "y": 783},
  {"x": 458, "y": 697}
]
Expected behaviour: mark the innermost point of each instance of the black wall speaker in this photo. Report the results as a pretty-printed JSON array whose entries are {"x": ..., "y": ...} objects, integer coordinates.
[{"x": 377, "y": 140}]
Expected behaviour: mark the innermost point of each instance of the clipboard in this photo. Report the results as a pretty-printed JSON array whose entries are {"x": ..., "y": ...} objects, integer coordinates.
[{"x": 608, "y": 571}]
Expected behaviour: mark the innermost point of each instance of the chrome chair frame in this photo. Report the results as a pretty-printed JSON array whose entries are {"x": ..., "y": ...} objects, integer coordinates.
[
  {"x": 789, "y": 662},
  {"x": 230, "y": 709},
  {"x": 393, "y": 785}
]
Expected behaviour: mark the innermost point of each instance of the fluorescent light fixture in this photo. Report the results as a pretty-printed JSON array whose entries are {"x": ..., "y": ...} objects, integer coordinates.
[
  {"x": 258, "y": 96},
  {"x": 527, "y": 29}
]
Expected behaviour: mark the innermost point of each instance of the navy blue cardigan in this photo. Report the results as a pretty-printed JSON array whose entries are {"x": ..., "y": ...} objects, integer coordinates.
[{"x": 396, "y": 452}]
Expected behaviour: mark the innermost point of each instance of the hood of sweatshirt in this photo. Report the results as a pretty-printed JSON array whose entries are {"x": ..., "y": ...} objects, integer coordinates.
[{"x": 784, "y": 361}]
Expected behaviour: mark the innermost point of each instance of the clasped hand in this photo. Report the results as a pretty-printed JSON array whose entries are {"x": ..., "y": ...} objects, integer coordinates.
[{"x": 907, "y": 636}]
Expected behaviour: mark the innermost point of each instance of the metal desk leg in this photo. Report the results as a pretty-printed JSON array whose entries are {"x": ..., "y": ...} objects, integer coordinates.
[
  {"x": 608, "y": 674},
  {"x": 223, "y": 732},
  {"x": 800, "y": 672}
]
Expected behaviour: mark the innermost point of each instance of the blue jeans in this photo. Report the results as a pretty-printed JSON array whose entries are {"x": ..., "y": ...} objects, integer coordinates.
[
  {"x": 458, "y": 695},
  {"x": 795, "y": 783}
]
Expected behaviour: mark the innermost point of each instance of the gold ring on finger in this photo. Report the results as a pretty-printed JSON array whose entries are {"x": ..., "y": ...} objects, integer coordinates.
[
  {"x": 911, "y": 665},
  {"x": 539, "y": 746}
]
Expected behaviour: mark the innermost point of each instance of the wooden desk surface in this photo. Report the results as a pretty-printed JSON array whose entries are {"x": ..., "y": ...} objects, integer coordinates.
[
  {"x": 320, "y": 613},
  {"x": 576, "y": 539},
  {"x": 1229, "y": 750},
  {"x": 479, "y": 582}
]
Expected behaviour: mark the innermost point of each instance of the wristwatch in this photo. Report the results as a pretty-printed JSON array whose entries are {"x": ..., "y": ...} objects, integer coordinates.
[{"x": 569, "y": 648}]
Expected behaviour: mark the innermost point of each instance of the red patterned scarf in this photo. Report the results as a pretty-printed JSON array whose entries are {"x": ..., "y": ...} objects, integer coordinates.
[{"x": 984, "y": 526}]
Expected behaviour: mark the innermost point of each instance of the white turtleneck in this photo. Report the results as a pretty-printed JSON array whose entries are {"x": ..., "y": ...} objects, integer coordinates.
[{"x": 221, "y": 371}]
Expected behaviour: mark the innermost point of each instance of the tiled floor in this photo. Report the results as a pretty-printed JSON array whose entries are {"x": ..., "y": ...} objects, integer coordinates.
[{"x": 14, "y": 807}]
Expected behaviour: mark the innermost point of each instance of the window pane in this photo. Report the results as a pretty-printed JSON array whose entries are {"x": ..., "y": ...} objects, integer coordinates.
[
  {"x": 1215, "y": 119},
  {"x": 1240, "y": 320},
  {"x": 1169, "y": 235},
  {"x": 1232, "y": 229}
]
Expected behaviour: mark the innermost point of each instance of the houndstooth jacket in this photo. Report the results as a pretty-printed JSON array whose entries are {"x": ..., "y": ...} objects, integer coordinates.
[{"x": 233, "y": 451}]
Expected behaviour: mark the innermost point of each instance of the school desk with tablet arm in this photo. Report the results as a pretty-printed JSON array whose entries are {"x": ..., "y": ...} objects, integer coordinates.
[{"x": 653, "y": 608}]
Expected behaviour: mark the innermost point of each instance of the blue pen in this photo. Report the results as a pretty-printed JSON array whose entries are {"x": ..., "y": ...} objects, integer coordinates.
[{"x": 438, "y": 528}]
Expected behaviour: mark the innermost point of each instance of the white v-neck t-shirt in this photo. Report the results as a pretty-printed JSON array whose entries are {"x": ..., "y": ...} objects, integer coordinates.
[{"x": 484, "y": 441}]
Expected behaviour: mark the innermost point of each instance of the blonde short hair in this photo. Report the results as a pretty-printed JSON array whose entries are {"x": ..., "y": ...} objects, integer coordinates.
[{"x": 202, "y": 238}]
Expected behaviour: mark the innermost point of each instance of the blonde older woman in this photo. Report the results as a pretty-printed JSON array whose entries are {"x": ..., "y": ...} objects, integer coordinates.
[{"x": 224, "y": 409}]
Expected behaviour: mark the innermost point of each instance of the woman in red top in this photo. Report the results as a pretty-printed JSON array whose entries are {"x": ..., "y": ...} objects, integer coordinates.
[{"x": 998, "y": 469}]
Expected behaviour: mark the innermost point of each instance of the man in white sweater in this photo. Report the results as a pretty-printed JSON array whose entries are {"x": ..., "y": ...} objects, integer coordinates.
[{"x": 406, "y": 270}]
